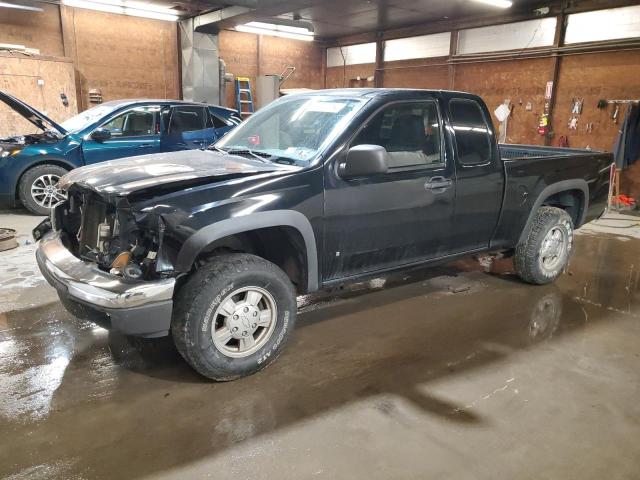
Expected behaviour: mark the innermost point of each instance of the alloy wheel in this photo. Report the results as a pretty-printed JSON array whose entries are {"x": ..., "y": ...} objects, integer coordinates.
[{"x": 244, "y": 321}]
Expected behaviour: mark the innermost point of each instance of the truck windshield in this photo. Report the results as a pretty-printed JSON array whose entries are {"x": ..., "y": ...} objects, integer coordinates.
[{"x": 293, "y": 129}]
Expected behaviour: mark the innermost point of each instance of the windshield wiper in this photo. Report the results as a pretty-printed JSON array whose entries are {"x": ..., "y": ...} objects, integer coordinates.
[{"x": 245, "y": 151}]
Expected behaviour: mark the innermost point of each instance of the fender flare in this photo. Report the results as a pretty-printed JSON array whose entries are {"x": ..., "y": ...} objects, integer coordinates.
[
  {"x": 559, "y": 187},
  {"x": 276, "y": 218}
]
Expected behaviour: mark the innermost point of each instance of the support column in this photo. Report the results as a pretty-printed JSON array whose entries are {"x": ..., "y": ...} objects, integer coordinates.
[
  {"x": 67, "y": 26},
  {"x": 453, "y": 50},
  {"x": 378, "y": 75},
  {"x": 558, "y": 42}
]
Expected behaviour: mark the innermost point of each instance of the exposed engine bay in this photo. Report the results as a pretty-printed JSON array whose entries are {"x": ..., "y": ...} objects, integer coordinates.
[
  {"x": 119, "y": 240},
  {"x": 13, "y": 145},
  {"x": 31, "y": 138}
]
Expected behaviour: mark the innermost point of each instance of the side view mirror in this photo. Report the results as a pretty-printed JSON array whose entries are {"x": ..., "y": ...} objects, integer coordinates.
[
  {"x": 364, "y": 160},
  {"x": 101, "y": 134}
]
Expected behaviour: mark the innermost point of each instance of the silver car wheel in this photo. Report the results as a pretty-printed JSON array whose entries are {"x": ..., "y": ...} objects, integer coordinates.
[
  {"x": 244, "y": 321},
  {"x": 45, "y": 192},
  {"x": 554, "y": 248}
]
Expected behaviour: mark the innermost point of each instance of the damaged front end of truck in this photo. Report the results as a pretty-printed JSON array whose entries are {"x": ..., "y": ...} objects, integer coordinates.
[
  {"x": 111, "y": 247},
  {"x": 110, "y": 264},
  {"x": 118, "y": 239}
]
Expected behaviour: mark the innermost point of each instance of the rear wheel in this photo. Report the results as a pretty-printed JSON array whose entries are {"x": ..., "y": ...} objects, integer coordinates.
[
  {"x": 546, "y": 250},
  {"x": 38, "y": 189},
  {"x": 233, "y": 316}
]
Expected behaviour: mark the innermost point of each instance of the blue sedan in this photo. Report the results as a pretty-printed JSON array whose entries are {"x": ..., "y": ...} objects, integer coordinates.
[{"x": 31, "y": 164}]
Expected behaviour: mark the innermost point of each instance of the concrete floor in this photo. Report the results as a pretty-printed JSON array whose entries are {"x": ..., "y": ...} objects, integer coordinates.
[{"x": 447, "y": 373}]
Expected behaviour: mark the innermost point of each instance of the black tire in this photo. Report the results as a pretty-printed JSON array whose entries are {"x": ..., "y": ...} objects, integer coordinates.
[
  {"x": 196, "y": 314},
  {"x": 529, "y": 259},
  {"x": 27, "y": 181}
]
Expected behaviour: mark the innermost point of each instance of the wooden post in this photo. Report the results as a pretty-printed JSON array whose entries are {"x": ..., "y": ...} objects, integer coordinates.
[
  {"x": 378, "y": 75},
  {"x": 67, "y": 25},
  {"x": 558, "y": 41},
  {"x": 453, "y": 50}
]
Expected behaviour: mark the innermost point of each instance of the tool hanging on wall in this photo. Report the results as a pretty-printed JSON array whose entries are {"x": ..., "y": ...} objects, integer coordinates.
[
  {"x": 617, "y": 103},
  {"x": 573, "y": 123},
  {"x": 563, "y": 141},
  {"x": 577, "y": 106},
  {"x": 502, "y": 113},
  {"x": 614, "y": 116}
]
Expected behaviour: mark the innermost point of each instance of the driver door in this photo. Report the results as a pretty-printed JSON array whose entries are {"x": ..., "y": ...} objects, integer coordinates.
[
  {"x": 378, "y": 222},
  {"x": 135, "y": 131}
]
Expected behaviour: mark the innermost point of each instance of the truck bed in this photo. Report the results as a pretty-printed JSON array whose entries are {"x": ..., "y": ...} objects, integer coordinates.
[
  {"x": 514, "y": 151},
  {"x": 530, "y": 171}
]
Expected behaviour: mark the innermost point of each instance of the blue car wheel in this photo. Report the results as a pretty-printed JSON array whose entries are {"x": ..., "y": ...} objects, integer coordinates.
[{"x": 38, "y": 191}]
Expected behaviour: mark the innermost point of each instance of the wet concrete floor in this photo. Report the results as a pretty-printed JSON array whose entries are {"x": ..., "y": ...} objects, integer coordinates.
[{"x": 447, "y": 373}]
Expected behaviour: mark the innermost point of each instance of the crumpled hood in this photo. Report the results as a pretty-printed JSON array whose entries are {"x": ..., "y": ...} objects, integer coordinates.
[{"x": 126, "y": 175}]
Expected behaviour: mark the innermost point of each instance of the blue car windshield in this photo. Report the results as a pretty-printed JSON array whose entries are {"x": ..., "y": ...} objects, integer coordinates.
[
  {"x": 294, "y": 129},
  {"x": 86, "y": 118}
]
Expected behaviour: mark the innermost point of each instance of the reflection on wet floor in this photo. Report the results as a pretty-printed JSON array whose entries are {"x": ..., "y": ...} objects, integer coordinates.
[{"x": 78, "y": 401}]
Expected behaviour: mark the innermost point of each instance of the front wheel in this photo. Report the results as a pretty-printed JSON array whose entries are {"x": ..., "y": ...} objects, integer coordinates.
[
  {"x": 545, "y": 252},
  {"x": 38, "y": 189},
  {"x": 233, "y": 316}
]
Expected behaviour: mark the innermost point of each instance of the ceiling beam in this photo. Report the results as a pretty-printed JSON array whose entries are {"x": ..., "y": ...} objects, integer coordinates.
[
  {"x": 444, "y": 26},
  {"x": 555, "y": 9},
  {"x": 233, "y": 3}
]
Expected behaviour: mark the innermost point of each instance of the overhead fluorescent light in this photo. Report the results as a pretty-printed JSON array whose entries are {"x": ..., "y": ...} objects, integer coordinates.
[
  {"x": 496, "y": 3},
  {"x": 285, "y": 31},
  {"x": 20, "y": 6},
  {"x": 123, "y": 7}
]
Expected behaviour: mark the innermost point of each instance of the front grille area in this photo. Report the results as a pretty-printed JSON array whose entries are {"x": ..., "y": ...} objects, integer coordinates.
[{"x": 107, "y": 234}]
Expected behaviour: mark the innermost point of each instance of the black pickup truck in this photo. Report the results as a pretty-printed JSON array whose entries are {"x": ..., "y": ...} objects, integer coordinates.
[{"x": 313, "y": 191}]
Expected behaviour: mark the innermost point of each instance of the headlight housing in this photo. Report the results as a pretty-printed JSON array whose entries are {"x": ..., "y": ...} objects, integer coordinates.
[{"x": 12, "y": 151}]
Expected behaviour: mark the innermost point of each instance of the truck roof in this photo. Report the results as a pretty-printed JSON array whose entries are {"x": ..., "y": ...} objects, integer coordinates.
[{"x": 375, "y": 92}]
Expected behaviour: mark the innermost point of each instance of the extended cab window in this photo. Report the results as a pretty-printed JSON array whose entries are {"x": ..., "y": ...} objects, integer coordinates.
[
  {"x": 134, "y": 123},
  {"x": 473, "y": 138},
  {"x": 409, "y": 131},
  {"x": 187, "y": 119}
]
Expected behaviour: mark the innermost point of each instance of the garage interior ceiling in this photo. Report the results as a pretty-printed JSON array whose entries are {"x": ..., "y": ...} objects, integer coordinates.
[{"x": 355, "y": 16}]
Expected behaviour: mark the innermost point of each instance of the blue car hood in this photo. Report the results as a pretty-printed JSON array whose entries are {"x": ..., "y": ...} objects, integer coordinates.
[
  {"x": 36, "y": 117},
  {"x": 126, "y": 175}
]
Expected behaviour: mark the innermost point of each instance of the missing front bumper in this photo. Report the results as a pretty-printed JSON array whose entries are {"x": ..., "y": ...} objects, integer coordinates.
[{"x": 141, "y": 308}]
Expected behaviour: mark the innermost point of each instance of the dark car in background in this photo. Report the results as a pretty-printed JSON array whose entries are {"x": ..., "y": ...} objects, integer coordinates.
[{"x": 31, "y": 164}]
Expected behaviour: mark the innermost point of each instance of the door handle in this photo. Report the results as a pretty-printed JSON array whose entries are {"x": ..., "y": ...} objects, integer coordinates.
[
  {"x": 438, "y": 184},
  {"x": 146, "y": 145}
]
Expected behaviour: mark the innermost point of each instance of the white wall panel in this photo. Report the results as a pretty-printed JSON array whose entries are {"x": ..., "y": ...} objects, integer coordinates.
[
  {"x": 602, "y": 25},
  {"x": 511, "y": 36},
  {"x": 424, "y": 46},
  {"x": 353, "y": 55}
]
